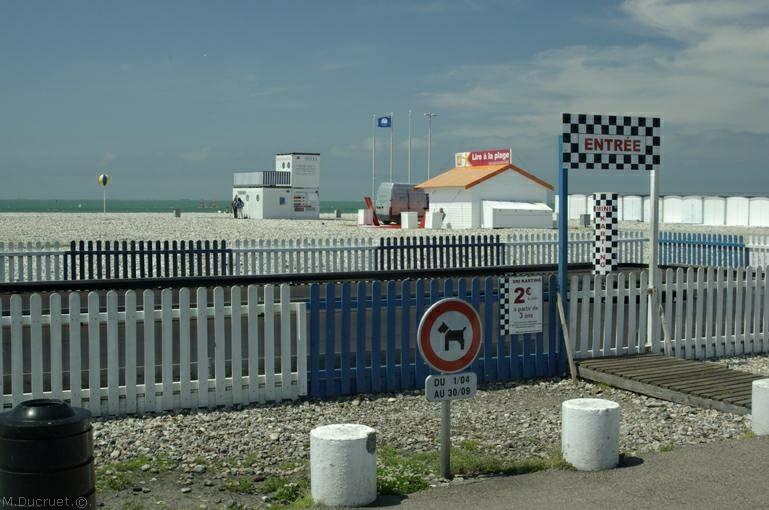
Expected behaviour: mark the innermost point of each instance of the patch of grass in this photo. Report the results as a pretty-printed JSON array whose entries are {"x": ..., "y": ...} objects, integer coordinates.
[
  {"x": 284, "y": 492},
  {"x": 470, "y": 445},
  {"x": 667, "y": 447},
  {"x": 124, "y": 475},
  {"x": 291, "y": 464},
  {"x": 241, "y": 485},
  {"x": 603, "y": 386},
  {"x": 132, "y": 505},
  {"x": 402, "y": 473},
  {"x": 748, "y": 434}
]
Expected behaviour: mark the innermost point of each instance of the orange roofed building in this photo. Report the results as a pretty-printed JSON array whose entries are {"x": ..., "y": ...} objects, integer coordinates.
[{"x": 493, "y": 196}]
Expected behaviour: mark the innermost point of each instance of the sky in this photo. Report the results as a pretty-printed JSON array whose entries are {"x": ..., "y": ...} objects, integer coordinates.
[{"x": 170, "y": 98}]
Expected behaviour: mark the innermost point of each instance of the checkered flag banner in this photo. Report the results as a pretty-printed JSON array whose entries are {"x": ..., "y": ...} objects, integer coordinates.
[
  {"x": 504, "y": 305},
  {"x": 606, "y": 237},
  {"x": 611, "y": 142}
]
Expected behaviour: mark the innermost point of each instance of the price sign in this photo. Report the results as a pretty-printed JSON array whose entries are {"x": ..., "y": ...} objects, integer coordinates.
[
  {"x": 451, "y": 386},
  {"x": 521, "y": 305}
]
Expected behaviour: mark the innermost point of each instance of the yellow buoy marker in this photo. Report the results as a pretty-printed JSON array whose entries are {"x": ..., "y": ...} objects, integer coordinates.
[{"x": 103, "y": 182}]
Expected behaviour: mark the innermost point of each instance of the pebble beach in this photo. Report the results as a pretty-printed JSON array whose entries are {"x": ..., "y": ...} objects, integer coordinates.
[{"x": 66, "y": 227}]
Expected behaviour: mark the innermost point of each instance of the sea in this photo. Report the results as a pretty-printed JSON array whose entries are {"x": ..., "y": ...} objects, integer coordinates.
[{"x": 142, "y": 206}]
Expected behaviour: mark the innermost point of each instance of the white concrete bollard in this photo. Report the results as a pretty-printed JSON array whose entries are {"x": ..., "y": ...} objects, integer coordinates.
[
  {"x": 760, "y": 407},
  {"x": 409, "y": 220},
  {"x": 365, "y": 217},
  {"x": 343, "y": 465},
  {"x": 433, "y": 219},
  {"x": 590, "y": 433}
]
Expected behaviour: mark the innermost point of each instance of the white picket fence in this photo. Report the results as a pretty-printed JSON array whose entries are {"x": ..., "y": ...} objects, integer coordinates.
[
  {"x": 28, "y": 262},
  {"x": 93, "y": 356},
  {"x": 709, "y": 313},
  {"x": 757, "y": 248}
]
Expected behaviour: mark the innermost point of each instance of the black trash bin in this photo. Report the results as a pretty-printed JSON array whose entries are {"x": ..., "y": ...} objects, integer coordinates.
[{"x": 46, "y": 456}]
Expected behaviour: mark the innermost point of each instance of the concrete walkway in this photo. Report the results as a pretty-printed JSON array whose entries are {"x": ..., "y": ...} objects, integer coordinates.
[{"x": 725, "y": 475}]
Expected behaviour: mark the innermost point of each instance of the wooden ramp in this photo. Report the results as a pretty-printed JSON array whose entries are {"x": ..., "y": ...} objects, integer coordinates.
[{"x": 696, "y": 383}]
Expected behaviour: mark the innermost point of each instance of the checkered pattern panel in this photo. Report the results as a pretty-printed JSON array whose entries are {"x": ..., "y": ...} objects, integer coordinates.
[
  {"x": 606, "y": 237},
  {"x": 504, "y": 305},
  {"x": 647, "y": 128}
]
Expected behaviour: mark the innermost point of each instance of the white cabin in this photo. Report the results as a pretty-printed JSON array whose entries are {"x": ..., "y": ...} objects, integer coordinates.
[{"x": 494, "y": 196}]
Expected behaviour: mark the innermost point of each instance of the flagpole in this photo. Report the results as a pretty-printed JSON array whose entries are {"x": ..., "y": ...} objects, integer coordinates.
[
  {"x": 409, "y": 165},
  {"x": 373, "y": 153},
  {"x": 391, "y": 145}
]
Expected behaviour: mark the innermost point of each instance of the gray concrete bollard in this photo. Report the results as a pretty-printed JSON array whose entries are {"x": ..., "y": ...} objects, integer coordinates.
[
  {"x": 343, "y": 465},
  {"x": 590, "y": 433}
]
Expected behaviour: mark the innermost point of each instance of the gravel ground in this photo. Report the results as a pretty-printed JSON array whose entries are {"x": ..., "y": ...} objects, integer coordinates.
[
  {"x": 512, "y": 421},
  {"x": 753, "y": 364},
  {"x": 65, "y": 227}
]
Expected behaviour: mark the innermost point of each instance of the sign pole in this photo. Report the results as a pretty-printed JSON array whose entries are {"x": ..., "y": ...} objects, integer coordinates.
[
  {"x": 409, "y": 165},
  {"x": 654, "y": 230},
  {"x": 441, "y": 337},
  {"x": 563, "y": 229},
  {"x": 373, "y": 155},
  {"x": 446, "y": 439},
  {"x": 392, "y": 129}
]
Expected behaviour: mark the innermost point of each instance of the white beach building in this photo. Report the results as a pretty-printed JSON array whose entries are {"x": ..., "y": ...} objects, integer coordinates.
[
  {"x": 493, "y": 196},
  {"x": 291, "y": 191}
]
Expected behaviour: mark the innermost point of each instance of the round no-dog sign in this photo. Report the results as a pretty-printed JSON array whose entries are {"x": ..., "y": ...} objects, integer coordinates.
[{"x": 449, "y": 335}]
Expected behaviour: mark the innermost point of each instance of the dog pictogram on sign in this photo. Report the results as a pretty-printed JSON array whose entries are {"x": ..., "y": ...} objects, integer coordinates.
[{"x": 449, "y": 335}]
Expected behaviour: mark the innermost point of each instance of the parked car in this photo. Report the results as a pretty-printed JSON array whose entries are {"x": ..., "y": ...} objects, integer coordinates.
[{"x": 393, "y": 198}]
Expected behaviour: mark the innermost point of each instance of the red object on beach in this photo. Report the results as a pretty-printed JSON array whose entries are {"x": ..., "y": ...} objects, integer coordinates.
[{"x": 370, "y": 206}]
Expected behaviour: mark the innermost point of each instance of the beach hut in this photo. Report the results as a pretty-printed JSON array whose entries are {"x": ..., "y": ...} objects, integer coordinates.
[
  {"x": 714, "y": 211},
  {"x": 759, "y": 212},
  {"x": 492, "y": 196},
  {"x": 577, "y": 206},
  {"x": 691, "y": 210},
  {"x": 647, "y": 209},
  {"x": 632, "y": 208},
  {"x": 737, "y": 211},
  {"x": 672, "y": 206}
]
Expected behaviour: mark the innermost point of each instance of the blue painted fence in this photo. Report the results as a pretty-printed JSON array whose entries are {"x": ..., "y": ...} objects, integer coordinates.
[
  {"x": 363, "y": 335},
  {"x": 679, "y": 248}
]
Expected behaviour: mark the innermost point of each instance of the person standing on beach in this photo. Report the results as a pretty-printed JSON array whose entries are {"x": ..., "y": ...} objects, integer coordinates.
[
  {"x": 235, "y": 206},
  {"x": 240, "y": 206}
]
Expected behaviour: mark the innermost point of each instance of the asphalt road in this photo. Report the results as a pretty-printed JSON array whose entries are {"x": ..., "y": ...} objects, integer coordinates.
[{"x": 724, "y": 475}]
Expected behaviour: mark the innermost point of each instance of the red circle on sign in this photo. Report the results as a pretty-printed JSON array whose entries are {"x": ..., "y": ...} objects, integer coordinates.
[{"x": 425, "y": 328}]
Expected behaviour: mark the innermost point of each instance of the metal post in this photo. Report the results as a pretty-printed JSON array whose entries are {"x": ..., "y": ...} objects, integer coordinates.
[
  {"x": 446, "y": 439},
  {"x": 429, "y": 116},
  {"x": 409, "y": 164},
  {"x": 563, "y": 228},
  {"x": 392, "y": 129},
  {"x": 104, "y": 199},
  {"x": 373, "y": 154},
  {"x": 654, "y": 226}
]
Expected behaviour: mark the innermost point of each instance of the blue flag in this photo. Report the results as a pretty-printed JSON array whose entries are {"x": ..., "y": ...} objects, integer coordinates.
[{"x": 384, "y": 122}]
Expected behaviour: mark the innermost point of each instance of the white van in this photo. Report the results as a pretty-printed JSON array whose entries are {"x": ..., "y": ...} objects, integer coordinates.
[{"x": 393, "y": 198}]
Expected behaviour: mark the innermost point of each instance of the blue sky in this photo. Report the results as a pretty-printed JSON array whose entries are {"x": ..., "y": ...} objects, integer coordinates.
[{"x": 171, "y": 97}]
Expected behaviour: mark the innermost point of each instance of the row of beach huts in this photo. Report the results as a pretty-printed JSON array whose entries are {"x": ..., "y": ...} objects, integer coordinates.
[{"x": 738, "y": 211}]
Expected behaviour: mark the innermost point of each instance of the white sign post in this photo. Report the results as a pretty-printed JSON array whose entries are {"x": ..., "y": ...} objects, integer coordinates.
[
  {"x": 449, "y": 338},
  {"x": 613, "y": 142}
]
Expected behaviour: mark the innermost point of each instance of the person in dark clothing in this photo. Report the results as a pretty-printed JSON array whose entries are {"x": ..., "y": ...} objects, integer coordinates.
[
  {"x": 240, "y": 204},
  {"x": 235, "y": 206}
]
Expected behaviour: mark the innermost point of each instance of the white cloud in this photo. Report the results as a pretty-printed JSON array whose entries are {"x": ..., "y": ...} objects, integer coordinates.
[{"x": 712, "y": 73}]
